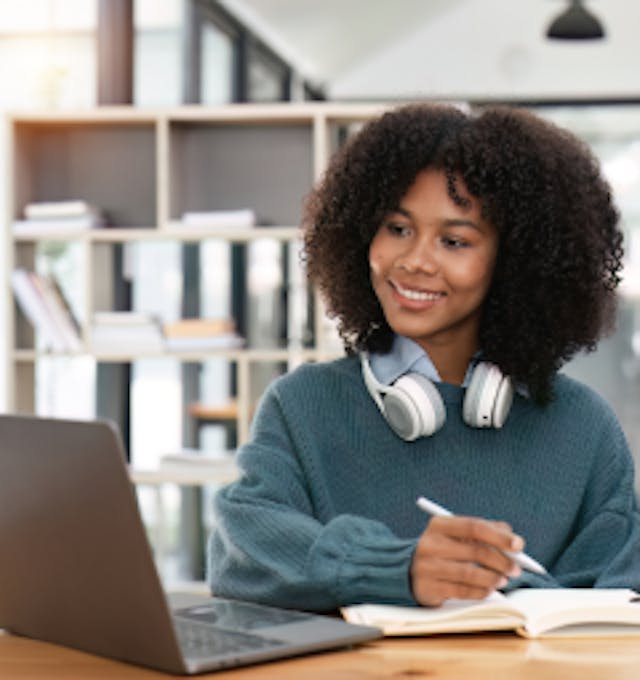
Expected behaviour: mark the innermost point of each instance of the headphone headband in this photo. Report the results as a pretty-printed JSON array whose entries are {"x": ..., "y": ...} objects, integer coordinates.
[
  {"x": 413, "y": 407},
  {"x": 374, "y": 386}
]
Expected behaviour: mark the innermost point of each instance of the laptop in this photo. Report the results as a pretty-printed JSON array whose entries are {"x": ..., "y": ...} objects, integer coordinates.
[{"x": 76, "y": 567}]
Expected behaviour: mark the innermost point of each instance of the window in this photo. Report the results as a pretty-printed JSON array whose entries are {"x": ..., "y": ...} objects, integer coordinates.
[
  {"x": 217, "y": 65},
  {"x": 613, "y": 132},
  {"x": 51, "y": 48},
  {"x": 157, "y": 62},
  {"x": 268, "y": 78}
]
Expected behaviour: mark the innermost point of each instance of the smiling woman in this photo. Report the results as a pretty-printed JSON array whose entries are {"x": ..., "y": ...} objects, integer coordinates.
[
  {"x": 432, "y": 261},
  {"x": 553, "y": 289},
  {"x": 466, "y": 258}
]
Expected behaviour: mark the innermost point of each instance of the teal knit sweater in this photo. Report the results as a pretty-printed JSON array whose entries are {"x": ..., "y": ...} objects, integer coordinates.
[{"x": 324, "y": 512}]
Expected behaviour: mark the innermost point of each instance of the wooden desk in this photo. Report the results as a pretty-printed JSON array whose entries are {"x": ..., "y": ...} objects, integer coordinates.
[{"x": 464, "y": 657}]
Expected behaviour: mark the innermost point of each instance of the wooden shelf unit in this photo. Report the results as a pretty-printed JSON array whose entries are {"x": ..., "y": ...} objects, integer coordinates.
[{"x": 145, "y": 169}]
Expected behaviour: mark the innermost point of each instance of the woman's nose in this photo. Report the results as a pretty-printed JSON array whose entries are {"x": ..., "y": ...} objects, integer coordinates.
[{"x": 419, "y": 257}]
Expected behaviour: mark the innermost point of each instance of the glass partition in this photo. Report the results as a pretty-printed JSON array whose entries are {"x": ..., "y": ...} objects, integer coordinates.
[{"x": 613, "y": 132}]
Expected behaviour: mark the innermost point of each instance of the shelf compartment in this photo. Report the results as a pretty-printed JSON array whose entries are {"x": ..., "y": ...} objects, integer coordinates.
[
  {"x": 109, "y": 164},
  {"x": 265, "y": 167}
]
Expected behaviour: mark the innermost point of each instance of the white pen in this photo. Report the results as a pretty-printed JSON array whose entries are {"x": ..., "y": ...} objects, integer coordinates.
[{"x": 520, "y": 558}]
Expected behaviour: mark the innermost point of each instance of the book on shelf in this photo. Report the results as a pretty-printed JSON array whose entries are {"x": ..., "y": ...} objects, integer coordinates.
[
  {"x": 189, "y": 467},
  {"x": 530, "y": 612},
  {"x": 123, "y": 332},
  {"x": 60, "y": 310},
  {"x": 221, "y": 464},
  {"x": 201, "y": 334},
  {"x": 53, "y": 209},
  {"x": 198, "y": 328},
  {"x": 229, "y": 341},
  {"x": 227, "y": 410},
  {"x": 43, "y": 303},
  {"x": 56, "y": 216},
  {"x": 58, "y": 294},
  {"x": 220, "y": 219},
  {"x": 124, "y": 318}
]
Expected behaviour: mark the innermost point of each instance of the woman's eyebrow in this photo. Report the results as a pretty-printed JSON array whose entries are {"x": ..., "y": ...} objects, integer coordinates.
[
  {"x": 402, "y": 211},
  {"x": 447, "y": 222},
  {"x": 457, "y": 222}
]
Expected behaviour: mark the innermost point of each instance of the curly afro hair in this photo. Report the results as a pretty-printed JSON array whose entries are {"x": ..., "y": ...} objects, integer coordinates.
[{"x": 560, "y": 246}]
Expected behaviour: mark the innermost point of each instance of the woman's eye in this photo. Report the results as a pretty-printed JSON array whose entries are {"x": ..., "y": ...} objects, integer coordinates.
[
  {"x": 453, "y": 242},
  {"x": 397, "y": 229}
]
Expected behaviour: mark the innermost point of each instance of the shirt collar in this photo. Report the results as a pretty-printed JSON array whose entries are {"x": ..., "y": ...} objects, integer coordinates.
[{"x": 406, "y": 356}]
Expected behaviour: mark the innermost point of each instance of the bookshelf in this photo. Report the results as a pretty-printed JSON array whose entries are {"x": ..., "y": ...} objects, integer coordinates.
[{"x": 145, "y": 170}]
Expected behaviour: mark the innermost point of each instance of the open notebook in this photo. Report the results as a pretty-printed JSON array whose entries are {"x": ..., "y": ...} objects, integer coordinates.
[
  {"x": 77, "y": 570},
  {"x": 540, "y": 612}
]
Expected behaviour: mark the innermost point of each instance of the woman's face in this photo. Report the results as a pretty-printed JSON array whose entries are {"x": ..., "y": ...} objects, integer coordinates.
[{"x": 431, "y": 264}]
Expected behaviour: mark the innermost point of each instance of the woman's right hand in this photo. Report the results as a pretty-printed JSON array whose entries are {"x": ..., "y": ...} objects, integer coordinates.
[{"x": 462, "y": 557}]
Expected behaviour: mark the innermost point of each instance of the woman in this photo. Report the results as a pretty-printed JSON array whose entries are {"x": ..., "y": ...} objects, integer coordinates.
[{"x": 466, "y": 258}]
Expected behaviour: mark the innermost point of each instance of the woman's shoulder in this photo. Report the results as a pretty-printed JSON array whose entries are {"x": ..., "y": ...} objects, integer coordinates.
[
  {"x": 315, "y": 374},
  {"x": 314, "y": 389},
  {"x": 583, "y": 401},
  {"x": 566, "y": 386}
]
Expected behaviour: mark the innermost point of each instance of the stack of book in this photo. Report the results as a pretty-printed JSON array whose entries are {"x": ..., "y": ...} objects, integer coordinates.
[
  {"x": 220, "y": 219},
  {"x": 58, "y": 216},
  {"x": 44, "y": 304},
  {"x": 220, "y": 467},
  {"x": 126, "y": 333},
  {"x": 201, "y": 334}
]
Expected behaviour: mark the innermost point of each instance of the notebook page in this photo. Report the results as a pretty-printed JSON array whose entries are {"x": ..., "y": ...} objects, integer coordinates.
[
  {"x": 492, "y": 613},
  {"x": 546, "y": 609}
]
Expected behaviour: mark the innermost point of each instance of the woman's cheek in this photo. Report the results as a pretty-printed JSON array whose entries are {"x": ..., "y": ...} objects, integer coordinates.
[{"x": 375, "y": 261}]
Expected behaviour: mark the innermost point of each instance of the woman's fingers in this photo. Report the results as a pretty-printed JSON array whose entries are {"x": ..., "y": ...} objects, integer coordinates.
[
  {"x": 497, "y": 534},
  {"x": 462, "y": 557},
  {"x": 461, "y": 547}
]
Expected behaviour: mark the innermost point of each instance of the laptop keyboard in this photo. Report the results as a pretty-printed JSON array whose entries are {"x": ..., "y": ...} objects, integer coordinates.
[
  {"x": 201, "y": 641},
  {"x": 238, "y": 615}
]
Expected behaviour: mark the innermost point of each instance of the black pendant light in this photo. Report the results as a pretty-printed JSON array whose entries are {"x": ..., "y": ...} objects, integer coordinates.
[{"x": 575, "y": 23}]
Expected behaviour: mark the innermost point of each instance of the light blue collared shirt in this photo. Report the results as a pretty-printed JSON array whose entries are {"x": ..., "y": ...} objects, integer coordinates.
[{"x": 406, "y": 356}]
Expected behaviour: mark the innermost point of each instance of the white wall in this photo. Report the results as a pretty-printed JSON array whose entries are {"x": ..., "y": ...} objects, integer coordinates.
[{"x": 497, "y": 49}]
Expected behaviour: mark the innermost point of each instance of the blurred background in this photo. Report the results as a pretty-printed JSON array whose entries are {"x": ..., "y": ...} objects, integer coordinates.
[{"x": 576, "y": 63}]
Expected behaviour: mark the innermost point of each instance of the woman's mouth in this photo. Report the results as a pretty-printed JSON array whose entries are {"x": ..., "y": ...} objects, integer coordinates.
[{"x": 416, "y": 295}]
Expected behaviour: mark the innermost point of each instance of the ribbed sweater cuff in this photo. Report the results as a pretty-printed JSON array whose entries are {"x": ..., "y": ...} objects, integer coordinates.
[{"x": 377, "y": 575}]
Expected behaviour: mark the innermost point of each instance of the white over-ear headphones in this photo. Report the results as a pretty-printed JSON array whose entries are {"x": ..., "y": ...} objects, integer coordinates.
[{"x": 414, "y": 408}]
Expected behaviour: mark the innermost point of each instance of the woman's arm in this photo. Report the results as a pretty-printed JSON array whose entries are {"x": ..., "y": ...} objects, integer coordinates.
[
  {"x": 604, "y": 551},
  {"x": 268, "y": 545}
]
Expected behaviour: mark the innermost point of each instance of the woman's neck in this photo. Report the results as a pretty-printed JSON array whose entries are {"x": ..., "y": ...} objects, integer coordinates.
[{"x": 451, "y": 364}]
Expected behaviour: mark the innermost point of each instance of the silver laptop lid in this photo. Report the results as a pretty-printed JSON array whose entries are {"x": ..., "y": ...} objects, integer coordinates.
[
  {"x": 76, "y": 568},
  {"x": 61, "y": 487}
]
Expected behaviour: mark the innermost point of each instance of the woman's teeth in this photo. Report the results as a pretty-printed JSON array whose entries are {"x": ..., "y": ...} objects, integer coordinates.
[{"x": 417, "y": 294}]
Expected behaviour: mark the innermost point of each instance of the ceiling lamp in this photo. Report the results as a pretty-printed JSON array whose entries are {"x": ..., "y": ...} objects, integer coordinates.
[{"x": 575, "y": 23}]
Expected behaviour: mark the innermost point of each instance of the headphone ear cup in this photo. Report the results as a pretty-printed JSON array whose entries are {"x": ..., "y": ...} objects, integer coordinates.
[
  {"x": 488, "y": 397},
  {"x": 413, "y": 407}
]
